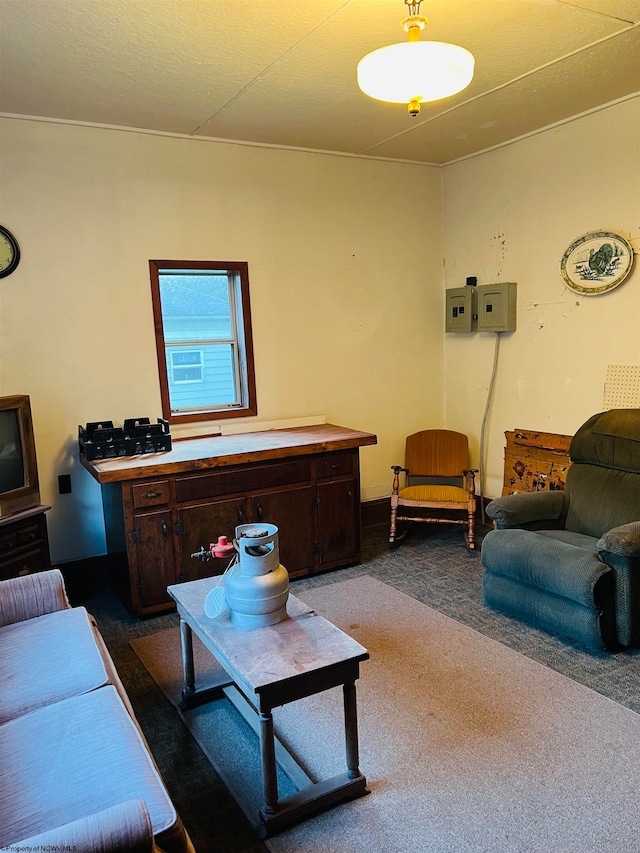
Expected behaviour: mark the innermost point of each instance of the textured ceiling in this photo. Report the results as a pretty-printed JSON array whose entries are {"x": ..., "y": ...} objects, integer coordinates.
[{"x": 280, "y": 72}]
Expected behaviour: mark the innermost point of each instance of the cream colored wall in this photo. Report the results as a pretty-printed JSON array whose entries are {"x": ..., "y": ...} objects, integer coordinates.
[
  {"x": 346, "y": 312},
  {"x": 509, "y": 215}
]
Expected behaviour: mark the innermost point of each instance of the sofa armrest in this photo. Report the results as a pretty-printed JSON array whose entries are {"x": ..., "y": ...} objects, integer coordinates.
[
  {"x": 125, "y": 828},
  {"x": 32, "y": 595},
  {"x": 621, "y": 542},
  {"x": 619, "y": 548},
  {"x": 533, "y": 510}
]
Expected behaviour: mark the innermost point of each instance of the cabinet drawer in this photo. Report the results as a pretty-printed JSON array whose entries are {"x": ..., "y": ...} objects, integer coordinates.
[
  {"x": 26, "y": 534},
  {"x": 333, "y": 464},
  {"x": 26, "y": 564},
  {"x": 151, "y": 494},
  {"x": 242, "y": 480},
  {"x": 29, "y": 534}
]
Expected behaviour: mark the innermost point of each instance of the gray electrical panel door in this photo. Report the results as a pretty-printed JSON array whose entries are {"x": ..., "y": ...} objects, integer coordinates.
[{"x": 497, "y": 307}]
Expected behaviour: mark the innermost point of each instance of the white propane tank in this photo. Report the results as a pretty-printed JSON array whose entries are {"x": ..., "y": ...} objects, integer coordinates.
[{"x": 257, "y": 587}]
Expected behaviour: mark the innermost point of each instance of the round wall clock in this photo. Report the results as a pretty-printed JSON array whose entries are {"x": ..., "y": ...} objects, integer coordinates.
[
  {"x": 596, "y": 263},
  {"x": 9, "y": 252}
]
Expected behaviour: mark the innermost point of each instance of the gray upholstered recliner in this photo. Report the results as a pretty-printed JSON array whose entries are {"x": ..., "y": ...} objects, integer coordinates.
[{"x": 569, "y": 561}]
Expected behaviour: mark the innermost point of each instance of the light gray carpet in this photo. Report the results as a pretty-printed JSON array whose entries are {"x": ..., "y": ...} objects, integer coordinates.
[{"x": 467, "y": 745}]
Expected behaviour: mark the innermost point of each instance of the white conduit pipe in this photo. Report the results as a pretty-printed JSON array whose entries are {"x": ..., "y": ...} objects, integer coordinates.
[{"x": 484, "y": 424}]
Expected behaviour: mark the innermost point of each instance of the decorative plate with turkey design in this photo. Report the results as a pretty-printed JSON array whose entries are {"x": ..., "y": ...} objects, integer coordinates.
[{"x": 596, "y": 263}]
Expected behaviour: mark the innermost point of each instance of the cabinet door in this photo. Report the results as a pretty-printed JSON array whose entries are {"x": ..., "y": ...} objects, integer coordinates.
[
  {"x": 198, "y": 526},
  {"x": 293, "y": 512},
  {"x": 339, "y": 522},
  {"x": 153, "y": 552}
]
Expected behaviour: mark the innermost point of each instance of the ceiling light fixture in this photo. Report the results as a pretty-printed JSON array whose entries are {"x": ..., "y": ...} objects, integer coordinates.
[{"x": 415, "y": 71}]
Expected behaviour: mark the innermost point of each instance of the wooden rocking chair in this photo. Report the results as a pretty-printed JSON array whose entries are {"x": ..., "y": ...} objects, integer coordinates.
[{"x": 437, "y": 477}]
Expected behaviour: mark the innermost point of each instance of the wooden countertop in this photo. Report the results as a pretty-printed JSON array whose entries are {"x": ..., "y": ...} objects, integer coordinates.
[{"x": 201, "y": 454}]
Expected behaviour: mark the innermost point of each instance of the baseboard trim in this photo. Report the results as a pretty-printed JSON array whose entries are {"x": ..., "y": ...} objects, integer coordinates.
[
  {"x": 84, "y": 578},
  {"x": 375, "y": 512}
]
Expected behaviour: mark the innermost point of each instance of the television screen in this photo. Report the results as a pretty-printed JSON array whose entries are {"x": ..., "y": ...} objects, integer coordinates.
[{"x": 12, "y": 471}]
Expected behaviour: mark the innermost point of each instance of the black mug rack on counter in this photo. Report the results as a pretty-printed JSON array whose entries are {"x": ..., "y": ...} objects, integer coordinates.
[{"x": 102, "y": 440}]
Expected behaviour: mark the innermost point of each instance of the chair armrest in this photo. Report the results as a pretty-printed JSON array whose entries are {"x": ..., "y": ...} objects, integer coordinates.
[
  {"x": 396, "y": 477},
  {"x": 125, "y": 828},
  {"x": 32, "y": 595},
  {"x": 538, "y": 509},
  {"x": 621, "y": 542},
  {"x": 469, "y": 475}
]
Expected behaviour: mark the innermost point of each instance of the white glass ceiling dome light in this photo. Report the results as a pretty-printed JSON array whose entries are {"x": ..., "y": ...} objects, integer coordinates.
[{"x": 415, "y": 71}]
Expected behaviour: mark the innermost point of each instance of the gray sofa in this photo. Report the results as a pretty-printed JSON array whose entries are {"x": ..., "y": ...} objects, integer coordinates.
[{"x": 75, "y": 769}]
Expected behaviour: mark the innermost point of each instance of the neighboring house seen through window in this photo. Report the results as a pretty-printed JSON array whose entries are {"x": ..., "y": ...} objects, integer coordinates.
[
  {"x": 187, "y": 366},
  {"x": 203, "y": 339}
]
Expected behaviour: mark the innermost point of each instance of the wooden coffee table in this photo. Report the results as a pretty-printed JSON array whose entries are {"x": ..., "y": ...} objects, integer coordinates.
[{"x": 268, "y": 667}]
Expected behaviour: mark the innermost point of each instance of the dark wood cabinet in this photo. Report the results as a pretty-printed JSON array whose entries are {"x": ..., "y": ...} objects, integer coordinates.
[
  {"x": 24, "y": 543},
  {"x": 293, "y": 511},
  {"x": 338, "y": 514},
  {"x": 152, "y": 558},
  {"x": 200, "y": 525},
  {"x": 160, "y": 509}
]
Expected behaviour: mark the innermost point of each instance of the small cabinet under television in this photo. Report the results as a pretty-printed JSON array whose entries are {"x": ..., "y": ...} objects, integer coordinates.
[{"x": 24, "y": 544}]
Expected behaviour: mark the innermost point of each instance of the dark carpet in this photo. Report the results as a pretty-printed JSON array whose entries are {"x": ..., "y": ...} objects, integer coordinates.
[{"x": 433, "y": 566}]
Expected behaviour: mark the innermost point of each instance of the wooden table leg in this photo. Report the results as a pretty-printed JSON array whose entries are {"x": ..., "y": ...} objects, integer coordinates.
[
  {"x": 351, "y": 729},
  {"x": 268, "y": 755},
  {"x": 188, "y": 668}
]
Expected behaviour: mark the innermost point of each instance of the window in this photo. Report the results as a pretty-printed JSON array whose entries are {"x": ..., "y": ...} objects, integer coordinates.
[
  {"x": 203, "y": 339},
  {"x": 186, "y": 366}
]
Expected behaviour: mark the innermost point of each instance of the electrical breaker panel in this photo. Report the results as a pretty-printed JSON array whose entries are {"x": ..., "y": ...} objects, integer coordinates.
[
  {"x": 497, "y": 307},
  {"x": 461, "y": 309}
]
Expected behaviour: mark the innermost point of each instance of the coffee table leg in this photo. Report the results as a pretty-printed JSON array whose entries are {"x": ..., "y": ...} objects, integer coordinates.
[
  {"x": 268, "y": 755},
  {"x": 351, "y": 729},
  {"x": 186, "y": 637}
]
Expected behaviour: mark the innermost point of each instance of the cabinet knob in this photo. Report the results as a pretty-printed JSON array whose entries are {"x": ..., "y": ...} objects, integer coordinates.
[
  {"x": 240, "y": 516},
  {"x": 24, "y": 571},
  {"x": 150, "y": 495},
  {"x": 165, "y": 530}
]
